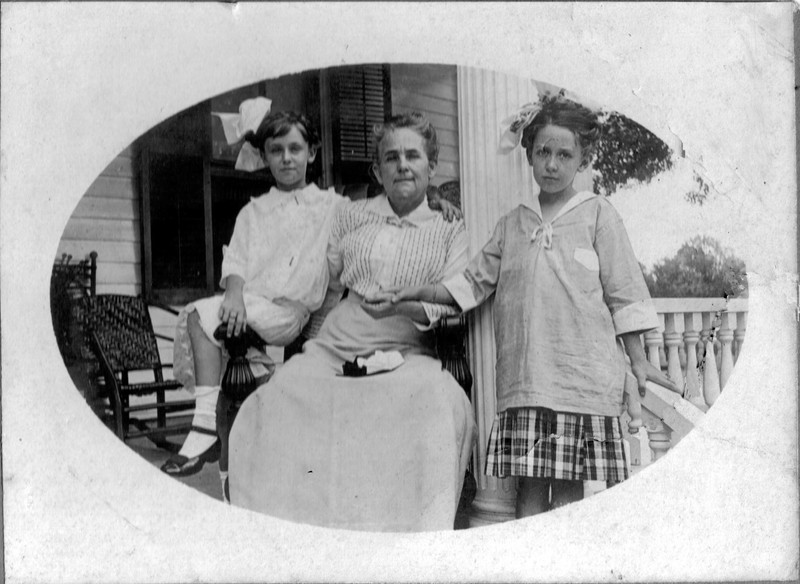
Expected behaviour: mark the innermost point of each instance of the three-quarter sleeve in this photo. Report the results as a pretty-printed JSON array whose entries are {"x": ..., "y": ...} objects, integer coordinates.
[
  {"x": 333, "y": 251},
  {"x": 479, "y": 281},
  {"x": 624, "y": 289},
  {"x": 234, "y": 261},
  {"x": 457, "y": 256}
]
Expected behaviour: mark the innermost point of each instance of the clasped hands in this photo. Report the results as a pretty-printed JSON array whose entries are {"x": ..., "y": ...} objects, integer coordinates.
[{"x": 384, "y": 303}]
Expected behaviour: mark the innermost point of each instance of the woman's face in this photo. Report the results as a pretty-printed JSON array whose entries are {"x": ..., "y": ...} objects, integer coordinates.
[
  {"x": 288, "y": 157},
  {"x": 403, "y": 169}
]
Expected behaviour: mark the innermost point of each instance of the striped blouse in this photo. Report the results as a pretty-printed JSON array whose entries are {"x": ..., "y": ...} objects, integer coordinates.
[{"x": 373, "y": 249}]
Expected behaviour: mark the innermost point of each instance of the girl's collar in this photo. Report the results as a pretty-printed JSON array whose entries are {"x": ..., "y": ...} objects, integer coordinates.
[
  {"x": 577, "y": 199},
  {"x": 274, "y": 195}
]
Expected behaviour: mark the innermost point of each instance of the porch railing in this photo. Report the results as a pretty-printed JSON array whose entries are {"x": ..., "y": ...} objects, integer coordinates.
[{"x": 698, "y": 345}]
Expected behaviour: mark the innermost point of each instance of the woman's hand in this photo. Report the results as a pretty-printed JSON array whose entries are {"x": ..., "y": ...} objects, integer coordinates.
[
  {"x": 380, "y": 304},
  {"x": 233, "y": 313}
]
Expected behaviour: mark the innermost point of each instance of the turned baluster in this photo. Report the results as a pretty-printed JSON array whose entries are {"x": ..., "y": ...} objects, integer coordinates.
[
  {"x": 725, "y": 335},
  {"x": 660, "y": 439},
  {"x": 662, "y": 353},
  {"x": 693, "y": 391},
  {"x": 659, "y": 435},
  {"x": 701, "y": 345},
  {"x": 709, "y": 363},
  {"x": 738, "y": 334},
  {"x": 672, "y": 340},
  {"x": 652, "y": 340}
]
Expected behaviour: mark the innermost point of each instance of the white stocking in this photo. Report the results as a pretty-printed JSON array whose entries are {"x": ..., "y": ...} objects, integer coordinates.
[
  {"x": 205, "y": 418},
  {"x": 223, "y": 478}
]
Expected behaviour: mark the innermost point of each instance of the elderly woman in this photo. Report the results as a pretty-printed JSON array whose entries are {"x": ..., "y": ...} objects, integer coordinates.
[{"x": 386, "y": 451}]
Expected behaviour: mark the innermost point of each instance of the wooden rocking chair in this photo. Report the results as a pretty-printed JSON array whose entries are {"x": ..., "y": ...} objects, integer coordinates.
[{"x": 120, "y": 334}]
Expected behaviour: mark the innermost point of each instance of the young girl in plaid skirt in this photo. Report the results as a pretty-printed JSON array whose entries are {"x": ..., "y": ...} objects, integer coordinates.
[{"x": 569, "y": 295}]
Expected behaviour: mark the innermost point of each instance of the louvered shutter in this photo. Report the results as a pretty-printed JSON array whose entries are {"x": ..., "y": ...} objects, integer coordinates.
[{"x": 361, "y": 99}]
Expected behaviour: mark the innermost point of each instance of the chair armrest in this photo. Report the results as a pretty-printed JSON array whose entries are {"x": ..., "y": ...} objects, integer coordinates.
[
  {"x": 105, "y": 366},
  {"x": 164, "y": 337}
]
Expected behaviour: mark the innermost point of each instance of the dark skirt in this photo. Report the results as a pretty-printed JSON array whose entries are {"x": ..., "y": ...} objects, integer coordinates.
[{"x": 541, "y": 443}]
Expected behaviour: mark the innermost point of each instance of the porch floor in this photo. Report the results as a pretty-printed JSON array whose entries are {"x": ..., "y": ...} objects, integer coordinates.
[{"x": 206, "y": 481}]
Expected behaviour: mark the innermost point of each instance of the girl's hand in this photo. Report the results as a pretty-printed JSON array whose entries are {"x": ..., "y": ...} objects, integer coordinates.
[
  {"x": 640, "y": 369},
  {"x": 663, "y": 379},
  {"x": 396, "y": 295},
  {"x": 449, "y": 211},
  {"x": 233, "y": 313},
  {"x": 423, "y": 293},
  {"x": 645, "y": 371}
]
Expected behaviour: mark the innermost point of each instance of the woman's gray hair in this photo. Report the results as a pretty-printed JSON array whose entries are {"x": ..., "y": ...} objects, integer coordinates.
[{"x": 413, "y": 121}]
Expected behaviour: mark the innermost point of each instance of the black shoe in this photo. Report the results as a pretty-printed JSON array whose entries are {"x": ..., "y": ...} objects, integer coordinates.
[{"x": 180, "y": 466}]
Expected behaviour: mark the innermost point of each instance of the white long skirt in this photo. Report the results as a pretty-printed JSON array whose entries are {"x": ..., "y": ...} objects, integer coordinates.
[{"x": 385, "y": 453}]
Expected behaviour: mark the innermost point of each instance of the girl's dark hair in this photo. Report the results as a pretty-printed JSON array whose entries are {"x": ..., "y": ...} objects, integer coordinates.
[
  {"x": 279, "y": 124},
  {"x": 559, "y": 111},
  {"x": 413, "y": 121}
]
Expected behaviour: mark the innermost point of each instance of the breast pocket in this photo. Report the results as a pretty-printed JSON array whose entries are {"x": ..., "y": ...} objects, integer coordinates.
[{"x": 585, "y": 269}]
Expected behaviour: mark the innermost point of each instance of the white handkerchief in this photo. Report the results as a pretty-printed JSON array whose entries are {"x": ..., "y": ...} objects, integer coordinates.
[{"x": 381, "y": 361}]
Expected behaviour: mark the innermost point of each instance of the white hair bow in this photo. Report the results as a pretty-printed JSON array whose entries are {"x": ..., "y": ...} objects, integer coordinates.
[
  {"x": 236, "y": 126},
  {"x": 511, "y": 128}
]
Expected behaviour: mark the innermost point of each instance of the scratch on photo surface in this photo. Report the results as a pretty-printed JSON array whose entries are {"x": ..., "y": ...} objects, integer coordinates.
[{"x": 101, "y": 498}]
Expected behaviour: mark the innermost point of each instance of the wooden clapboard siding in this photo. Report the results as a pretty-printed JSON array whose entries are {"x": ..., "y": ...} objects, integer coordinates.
[
  {"x": 102, "y": 207},
  {"x": 106, "y": 220},
  {"x": 100, "y": 230},
  {"x": 129, "y": 289},
  {"x": 118, "y": 187},
  {"x": 431, "y": 90},
  {"x": 112, "y": 251}
]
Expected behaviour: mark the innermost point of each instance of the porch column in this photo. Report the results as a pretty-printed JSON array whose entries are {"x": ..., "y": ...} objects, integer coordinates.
[{"x": 491, "y": 185}]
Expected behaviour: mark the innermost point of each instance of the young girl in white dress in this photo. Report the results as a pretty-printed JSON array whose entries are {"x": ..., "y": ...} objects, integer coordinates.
[
  {"x": 569, "y": 294},
  {"x": 274, "y": 270}
]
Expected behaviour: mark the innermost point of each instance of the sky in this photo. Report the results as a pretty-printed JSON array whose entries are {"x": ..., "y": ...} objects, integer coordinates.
[{"x": 659, "y": 219}]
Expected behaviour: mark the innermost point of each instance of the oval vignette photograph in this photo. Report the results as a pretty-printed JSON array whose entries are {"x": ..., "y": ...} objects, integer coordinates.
[{"x": 400, "y": 297}]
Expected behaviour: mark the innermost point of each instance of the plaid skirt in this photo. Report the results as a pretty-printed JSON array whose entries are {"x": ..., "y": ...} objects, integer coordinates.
[{"x": 541, "y": 443}]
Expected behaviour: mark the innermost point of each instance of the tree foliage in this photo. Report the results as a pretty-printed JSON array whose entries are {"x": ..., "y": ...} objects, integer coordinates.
[
  {"x": 699, "y": 193},
  {"x": 701, "y": 268},
  {"x": 627, "y": 151}
]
